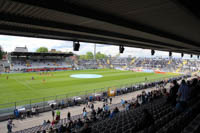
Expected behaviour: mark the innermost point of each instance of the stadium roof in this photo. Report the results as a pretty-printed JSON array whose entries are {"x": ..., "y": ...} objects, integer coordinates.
[
  {"x": 168, "y": 25},
  {"x": 39, "y": 54}
]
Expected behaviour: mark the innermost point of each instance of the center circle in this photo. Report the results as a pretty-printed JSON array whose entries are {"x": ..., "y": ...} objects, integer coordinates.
[{"x": 86, "y": 76}]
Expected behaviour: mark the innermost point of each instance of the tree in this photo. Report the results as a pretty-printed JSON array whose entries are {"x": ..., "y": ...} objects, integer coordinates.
[
  {"x": 1, "y": 52},
  {"x": 82, "y": 57},
  {"x": 89, "y": 55},
  {"x": 42, "y": 50},
  {"x": 99, "y": 55}
]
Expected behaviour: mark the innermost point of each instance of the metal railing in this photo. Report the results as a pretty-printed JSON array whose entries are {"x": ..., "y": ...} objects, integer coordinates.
[{"x": 43, "y": 102}]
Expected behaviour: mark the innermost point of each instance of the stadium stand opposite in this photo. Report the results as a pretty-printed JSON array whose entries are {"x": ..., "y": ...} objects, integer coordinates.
[{"x": 30, "y": 61}]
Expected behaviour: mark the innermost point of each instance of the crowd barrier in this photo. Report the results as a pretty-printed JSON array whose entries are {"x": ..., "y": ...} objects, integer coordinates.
[{"x": 43, "y": 104}]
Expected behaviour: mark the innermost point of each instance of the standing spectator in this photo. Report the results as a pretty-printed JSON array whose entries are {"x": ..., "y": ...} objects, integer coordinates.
[
  {"x": 37, "y": 110},
  {"x": 53, "y": 114},
  {"x": 84, "y": 109},
  {"x": 69, "y": 116},
  {"x": 16, "y": 113},
  {"x": 86, "y": 100},
  {"x": 33, "y": 112},
  {"x": 58, "y": 115},
  {"x": 122, "y": 102},
  {"x": 183, "y": 96},
  {"x": 110, "y": 100},
  {"x": 9, "y": 126},
  {"x": 92, "y": 106},
  {"x": 106, "y": 107},
  {"x": 173, "y": 93},
  {"x": 85, "y": 114},
  {"x": 52, "y": 106}
]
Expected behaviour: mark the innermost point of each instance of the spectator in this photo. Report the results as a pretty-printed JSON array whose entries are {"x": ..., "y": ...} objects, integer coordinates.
[
  {"x": 51, "y": 130},
  {"x": 44, "y": 123},
  {"x": 53, "y": 114},
  {"x": 84, "y": 109},
  {"x": 58, "y": 114},
  {"x": 85, "y": 114},
  {"x": 48, "y": 122},
  {"x": 86, "y": 100},
  {"x": 106, "y": 107},
  {"x": 52, "y": 106},
  {"x": 183, "y": 96},
  {"x": 9, "y": 126},
  {"x": 86, "y": 129},
  {"x": 194, "y": 88},
  {"x": 61, "y": 129},
  {"x": 122, "y": 102},
  {"x": 16, "y": 113},
  {"x": 33, "y": 110},
  {"x": 92, "y": 106},
  {"x": 127, "y": 106},
  {"x": 79, "y": 123},
  {"x": 37, "y": 110},
  {"x": 110, "y": 100},
  {"x": 69, "y": 116},
  {"x": 173, "y": 93}
]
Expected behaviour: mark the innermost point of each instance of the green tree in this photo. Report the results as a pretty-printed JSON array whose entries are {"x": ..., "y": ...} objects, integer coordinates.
[
  {"x": 89, "y": 55},
  {"x": 42, "y": 50},
  {"x": 1, "y": 52},
  {"x": 82, "y": 57},
  {"x": 99, "y": 55}
]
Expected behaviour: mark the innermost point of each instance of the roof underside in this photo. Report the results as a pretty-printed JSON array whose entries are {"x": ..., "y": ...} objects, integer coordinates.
[
  {"x": 168, "y": 25},
  {"x": 39, "y": 54}
]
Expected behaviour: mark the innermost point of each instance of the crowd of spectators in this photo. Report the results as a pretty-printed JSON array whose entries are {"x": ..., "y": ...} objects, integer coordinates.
[{"x": 101, "y": 113}]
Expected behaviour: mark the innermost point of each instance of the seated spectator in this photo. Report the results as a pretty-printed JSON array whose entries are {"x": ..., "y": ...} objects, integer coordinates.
[
  {"x": 51, "y": 130},
  {"x": 44, "y": 123},
  {"x": 61, "y": 129},
  {"x": 79, "y": 123},
  {"x": 54, "y": 122},
  {"x": 48, "y": 122},
  {"x": 86, "y": 129}
]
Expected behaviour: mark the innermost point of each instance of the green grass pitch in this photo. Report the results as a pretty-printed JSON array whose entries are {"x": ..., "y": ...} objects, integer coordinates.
[{"x": 20, "y": 86}]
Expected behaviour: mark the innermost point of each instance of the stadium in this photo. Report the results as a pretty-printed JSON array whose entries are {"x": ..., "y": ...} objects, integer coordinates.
[{"x": 51, "y": 91}]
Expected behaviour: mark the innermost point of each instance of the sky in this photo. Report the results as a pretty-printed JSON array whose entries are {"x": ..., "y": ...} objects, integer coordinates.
[{"x": 10, "y": 42}]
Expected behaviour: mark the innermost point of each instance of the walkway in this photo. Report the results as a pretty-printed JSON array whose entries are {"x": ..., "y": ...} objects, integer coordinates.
[{"x": 76, "y": 110}]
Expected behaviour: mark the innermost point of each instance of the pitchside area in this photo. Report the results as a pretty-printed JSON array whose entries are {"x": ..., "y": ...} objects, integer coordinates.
[{"x": 25, "y": 86}]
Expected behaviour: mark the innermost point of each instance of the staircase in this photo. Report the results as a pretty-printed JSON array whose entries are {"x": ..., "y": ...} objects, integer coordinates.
[{"x": 132, "y": 61}]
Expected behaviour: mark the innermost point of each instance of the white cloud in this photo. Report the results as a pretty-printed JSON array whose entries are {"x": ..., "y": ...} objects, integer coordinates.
[{"x": 10, "y": 42}]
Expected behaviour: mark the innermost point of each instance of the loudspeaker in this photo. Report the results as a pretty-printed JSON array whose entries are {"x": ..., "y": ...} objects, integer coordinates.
[
  {"x": 76, "y": 46},
  {"x": 121, "y": 49}
]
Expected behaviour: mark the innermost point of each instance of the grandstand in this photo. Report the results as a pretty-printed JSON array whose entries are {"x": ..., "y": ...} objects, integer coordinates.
[{"x": 30, "y": 61}]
